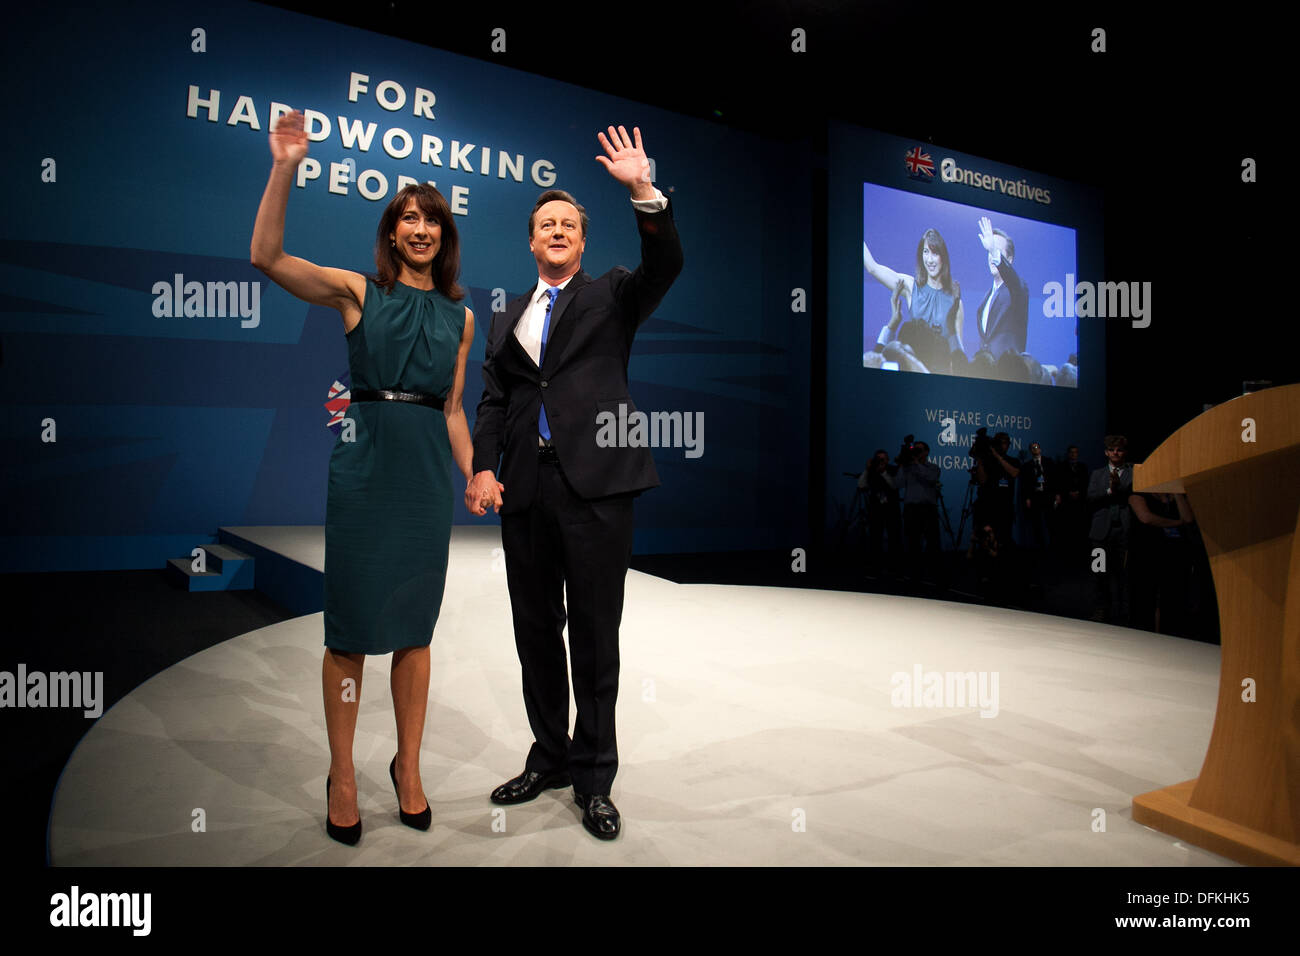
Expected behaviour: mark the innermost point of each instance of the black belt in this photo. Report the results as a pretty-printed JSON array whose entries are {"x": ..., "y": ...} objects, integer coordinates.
[{"x": 385, "y": 395}]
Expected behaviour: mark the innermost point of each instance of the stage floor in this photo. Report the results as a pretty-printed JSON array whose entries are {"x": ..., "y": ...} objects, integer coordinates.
[{"x": 757, "y": 726}]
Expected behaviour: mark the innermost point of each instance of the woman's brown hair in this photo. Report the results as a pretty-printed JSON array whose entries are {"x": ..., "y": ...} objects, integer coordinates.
[{"x": 446, "y": 264}]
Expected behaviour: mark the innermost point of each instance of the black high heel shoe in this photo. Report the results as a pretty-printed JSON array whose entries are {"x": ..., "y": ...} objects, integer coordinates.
[
  {"x": 416, "y": 821},
  {"x": 349, "y": 835}
]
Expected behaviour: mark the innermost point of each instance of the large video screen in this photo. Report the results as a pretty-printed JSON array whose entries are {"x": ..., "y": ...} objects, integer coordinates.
[{"x": 953, "y": 289}]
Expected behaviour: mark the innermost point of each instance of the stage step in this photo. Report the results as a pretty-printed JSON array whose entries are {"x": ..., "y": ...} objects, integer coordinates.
[{"x": 227, "y": 569}]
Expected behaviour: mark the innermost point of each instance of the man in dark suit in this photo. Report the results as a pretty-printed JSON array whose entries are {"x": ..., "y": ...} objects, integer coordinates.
[
  {"x": 1002, "y": 318},
  {"x": 1037, "y": 488},
  {"x": 1109, "y": 488},
  {"x": 557, "y": 358},
  {"x": 1071, "y": 487}
]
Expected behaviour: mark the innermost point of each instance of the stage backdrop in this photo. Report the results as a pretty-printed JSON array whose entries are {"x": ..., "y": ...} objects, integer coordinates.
[
  {"x": 886, "y": 192},
  {"x": 157, "y": 386}
]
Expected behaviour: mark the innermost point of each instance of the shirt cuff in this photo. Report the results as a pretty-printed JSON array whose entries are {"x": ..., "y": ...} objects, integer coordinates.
[{"x": 658, "y": 204}]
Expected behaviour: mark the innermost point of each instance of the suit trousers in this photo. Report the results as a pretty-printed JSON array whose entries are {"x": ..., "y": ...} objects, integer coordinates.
[
  {"x": 1112, "y": 585},
  {"x": 921, "y": 526},
  {"x": 563, "y": 546}
]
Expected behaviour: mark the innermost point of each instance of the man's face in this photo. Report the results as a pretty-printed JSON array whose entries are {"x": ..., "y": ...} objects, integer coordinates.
[
  {"x": 1072, "y": 454},
  {"x": 1036, "y": 449},
  {"x": 1115, "y": 456},
  {"x": 922, "y": 451},
  {"x": 557, "y": 242},
  {"x": 1004, "y": 444}
]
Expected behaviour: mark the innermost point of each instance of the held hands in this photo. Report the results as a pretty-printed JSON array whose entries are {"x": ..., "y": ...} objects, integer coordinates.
[
  {"x": 626, "y": 161},
  {"x": 481, "y": 491},
  {"x": 289, "y": 139}
]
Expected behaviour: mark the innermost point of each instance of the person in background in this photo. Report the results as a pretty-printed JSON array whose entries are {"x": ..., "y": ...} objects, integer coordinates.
[
  {"x": 1160, "y": 562},
  {"x": 920, "y": 490},
  {"x": 1037, "y": 492},
  {"x": 1069, "y": 496},
  {"x": 1109, "y": 488},
  {"x": 879, "y": 485}
]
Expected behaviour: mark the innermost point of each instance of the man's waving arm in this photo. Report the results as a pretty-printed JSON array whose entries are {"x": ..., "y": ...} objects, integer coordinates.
[{"x": 661, "y": 249}]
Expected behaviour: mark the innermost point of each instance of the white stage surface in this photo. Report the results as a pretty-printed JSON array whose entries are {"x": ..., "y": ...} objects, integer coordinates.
[{"x": 756, "y": 726}]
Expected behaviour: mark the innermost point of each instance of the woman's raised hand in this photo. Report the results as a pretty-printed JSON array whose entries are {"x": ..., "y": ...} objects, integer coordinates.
[{"x": 289, "y": 139}]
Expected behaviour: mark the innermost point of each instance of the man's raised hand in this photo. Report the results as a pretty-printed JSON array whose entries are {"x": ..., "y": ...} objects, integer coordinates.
[
  {"x": 626, "y": 161},
  {"x": 289, "y": 139}
]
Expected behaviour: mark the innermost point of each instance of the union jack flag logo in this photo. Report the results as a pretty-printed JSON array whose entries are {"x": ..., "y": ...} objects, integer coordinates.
[
  {"x": 338, "y": 399},
  {"x": 919, "y": 165}
]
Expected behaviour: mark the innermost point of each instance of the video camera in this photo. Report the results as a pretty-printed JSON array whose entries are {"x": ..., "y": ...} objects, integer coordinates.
[{"x": 907, "y": 452}]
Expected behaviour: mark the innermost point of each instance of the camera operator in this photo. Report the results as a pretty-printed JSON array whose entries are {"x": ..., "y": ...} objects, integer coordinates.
[
  {"x": 880, "y": 486},
  {"x": 920, "y": 478},
  {"x": 995, "y": 474}
]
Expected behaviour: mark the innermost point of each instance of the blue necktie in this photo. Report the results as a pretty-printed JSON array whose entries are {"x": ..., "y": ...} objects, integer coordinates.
[{"x": 543, "y": 426}]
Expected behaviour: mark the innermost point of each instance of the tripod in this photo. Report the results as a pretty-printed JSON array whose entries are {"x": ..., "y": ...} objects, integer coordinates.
[
  {"x": 966, "y": 511},
  {"x": 851, "y": 529},
  {"x": 947, "y": 522}
]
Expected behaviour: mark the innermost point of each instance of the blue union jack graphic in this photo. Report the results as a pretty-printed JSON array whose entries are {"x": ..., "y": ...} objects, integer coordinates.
[
  {"x": 919, "y": 165},
  {"x": 339, "y": 397}
]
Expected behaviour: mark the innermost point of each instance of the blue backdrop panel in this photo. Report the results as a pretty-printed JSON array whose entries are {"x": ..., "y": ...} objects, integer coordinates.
[
  {"x": 877, "y": 194},
  {"x": 134, "y": 172}
]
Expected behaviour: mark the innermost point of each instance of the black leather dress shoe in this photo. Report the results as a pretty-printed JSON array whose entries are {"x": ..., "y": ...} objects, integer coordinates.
[
  {"x": 599, "y": 815},
  {"x": 528, "y": 785}
]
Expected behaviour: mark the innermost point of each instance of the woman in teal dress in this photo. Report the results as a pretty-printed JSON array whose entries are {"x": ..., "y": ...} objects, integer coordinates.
[
  {"x": 933, "y": 296},
  {"x": 388, "y": 513}
]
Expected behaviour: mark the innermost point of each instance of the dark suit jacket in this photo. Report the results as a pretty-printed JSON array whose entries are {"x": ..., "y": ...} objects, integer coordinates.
[
  {"x": 584, "y": 372},
  {"x": 1099, "y": 501},
  {"x": 1029, "y": 481},
  {"x": 1008, "y": 326},
  {"x": 1073, "y": 476}
]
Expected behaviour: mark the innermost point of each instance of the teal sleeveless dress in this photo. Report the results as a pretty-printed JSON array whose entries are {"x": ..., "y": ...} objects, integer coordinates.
[{"x": 388, "y": 511}]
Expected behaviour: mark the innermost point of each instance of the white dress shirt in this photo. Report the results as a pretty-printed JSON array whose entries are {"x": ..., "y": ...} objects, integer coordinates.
[{"x": 529, "y": 329}]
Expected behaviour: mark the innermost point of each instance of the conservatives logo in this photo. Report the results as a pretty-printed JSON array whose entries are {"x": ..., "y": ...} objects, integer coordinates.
[
  {"x": 338, "y": 399},
  {"x": 919, "y": 165}
]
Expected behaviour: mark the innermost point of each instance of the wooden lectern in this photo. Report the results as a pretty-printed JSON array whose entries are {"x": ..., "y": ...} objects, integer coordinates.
[{"x": 1245, "y": 495}]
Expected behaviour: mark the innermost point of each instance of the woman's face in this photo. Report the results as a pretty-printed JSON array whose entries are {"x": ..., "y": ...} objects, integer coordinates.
[
  {"x": 416, "y": 237},
  {"x": 932, "y": 261}
]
